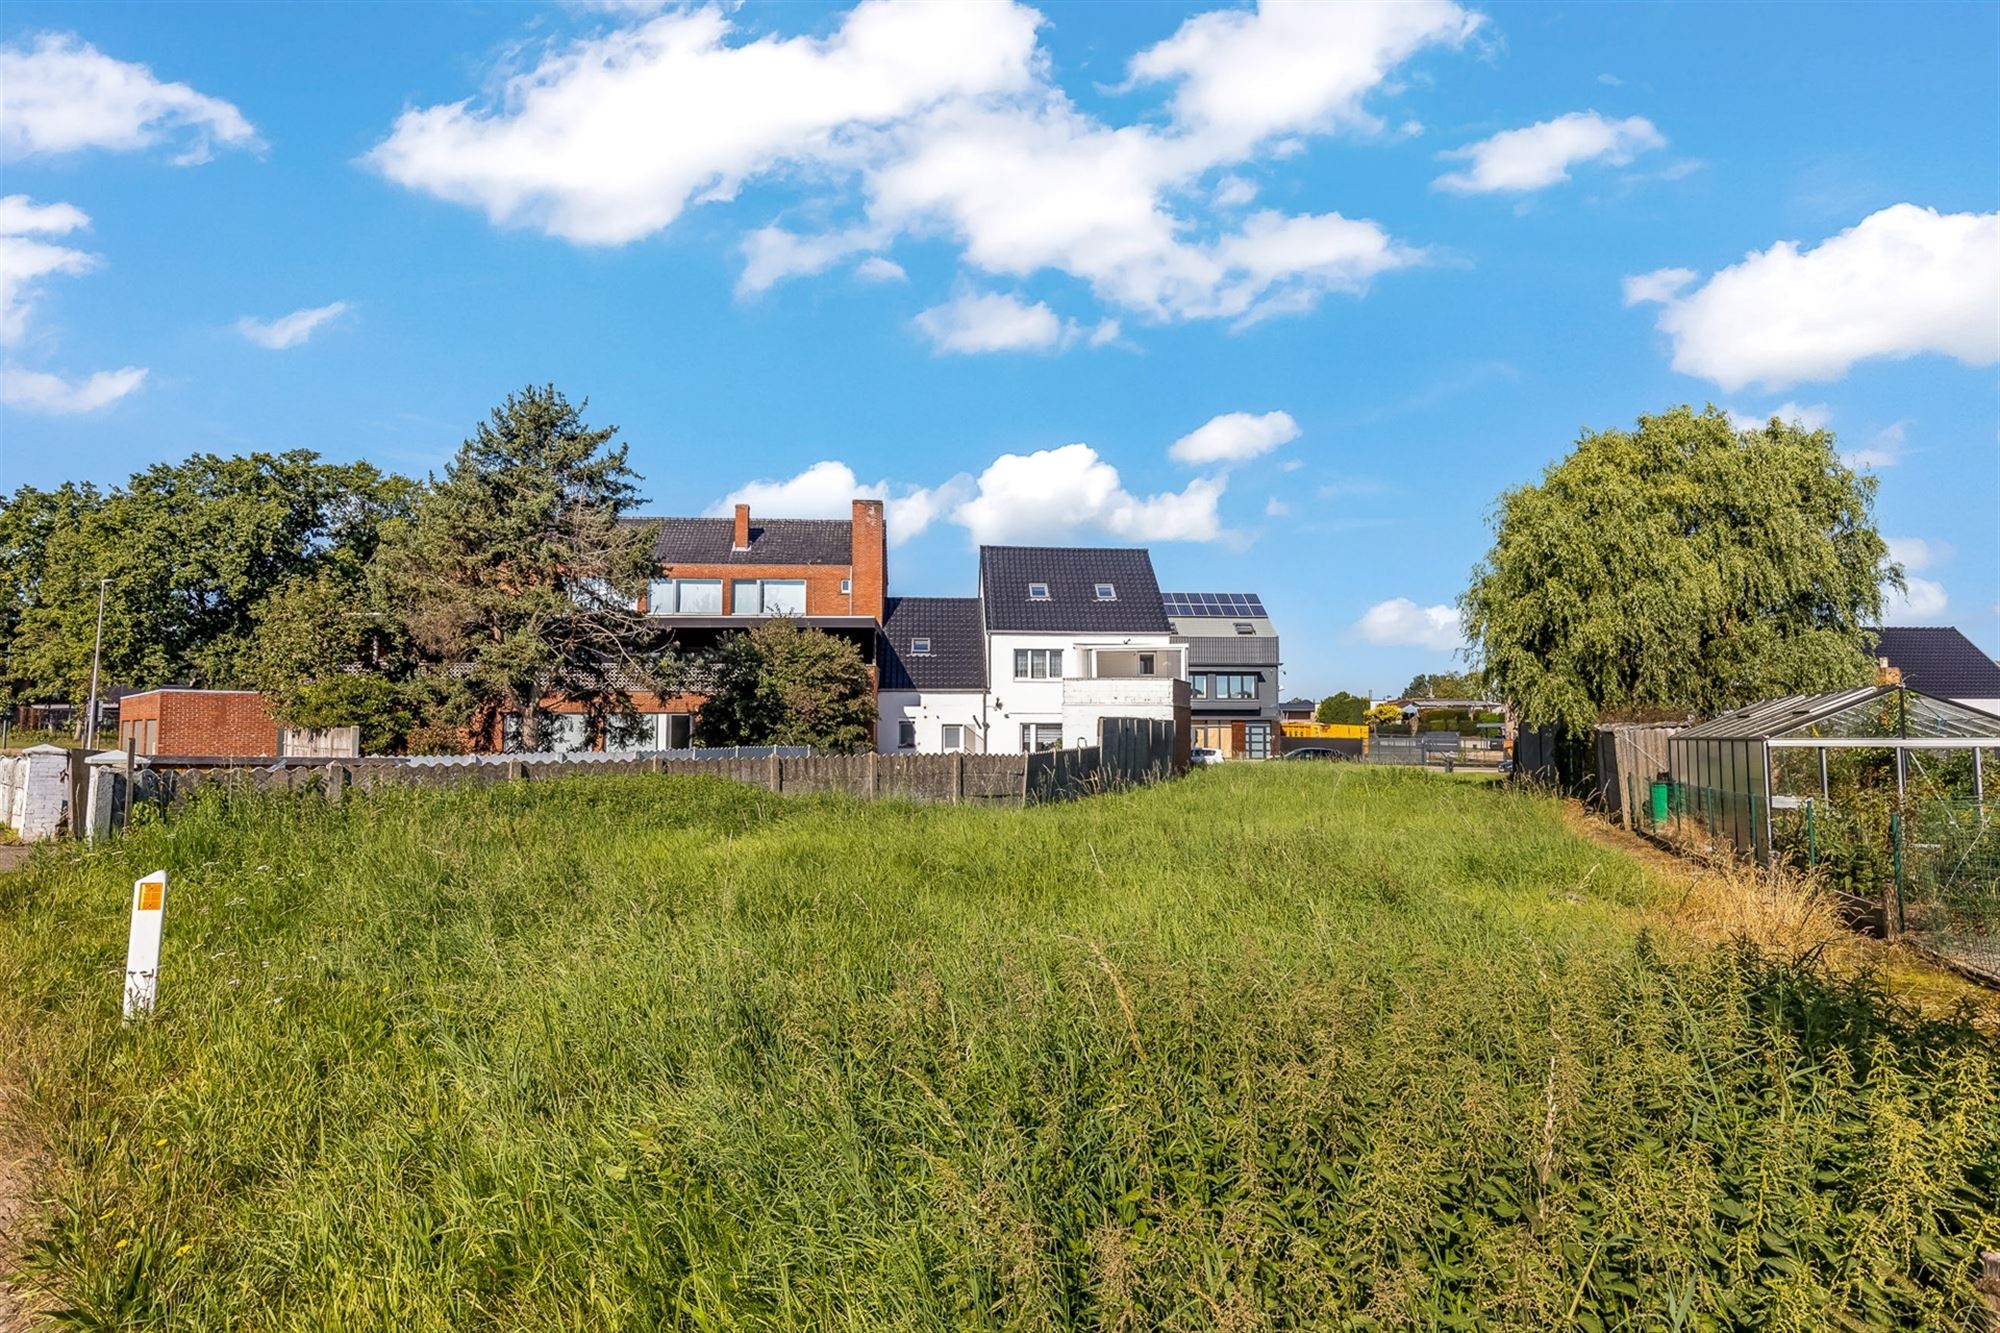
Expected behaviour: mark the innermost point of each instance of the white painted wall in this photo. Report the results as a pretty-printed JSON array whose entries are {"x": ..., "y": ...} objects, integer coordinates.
[
  {"x": 931, "y": 710},
  {"x": 1015, "y": 702}
]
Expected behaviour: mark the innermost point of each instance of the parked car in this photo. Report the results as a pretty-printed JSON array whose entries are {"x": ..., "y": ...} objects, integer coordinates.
[
  {"x": 1313, "y": 752},
  {"x": 1199, "y": 755}
]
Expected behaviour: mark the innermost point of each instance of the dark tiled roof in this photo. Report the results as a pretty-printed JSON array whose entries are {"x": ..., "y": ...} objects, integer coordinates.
[
  {"x": 1940, "y": 661},
  {"x": 1072, "y": 573},
  {"x": 773, "y": 541},
  {"x": 957, "y": 660}
]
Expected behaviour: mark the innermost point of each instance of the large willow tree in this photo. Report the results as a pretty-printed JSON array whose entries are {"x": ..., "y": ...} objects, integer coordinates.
[{"x": 1681, "y": 565}]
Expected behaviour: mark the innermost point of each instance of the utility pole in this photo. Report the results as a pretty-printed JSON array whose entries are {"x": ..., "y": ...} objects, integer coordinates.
[{"x": 96, "y": 653}]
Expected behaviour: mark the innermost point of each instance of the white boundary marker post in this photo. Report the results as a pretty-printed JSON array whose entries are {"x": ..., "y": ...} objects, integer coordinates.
[{"x": 142, "y": 956}]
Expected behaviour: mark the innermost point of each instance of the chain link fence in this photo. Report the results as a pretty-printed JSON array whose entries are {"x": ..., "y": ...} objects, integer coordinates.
[{"x": 1931, "y": 863}]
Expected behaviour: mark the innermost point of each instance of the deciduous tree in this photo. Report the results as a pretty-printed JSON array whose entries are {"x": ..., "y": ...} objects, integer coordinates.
[
  {"x": 784, "y": 683},
  {"x": 191, "y": 550},
  {"x": 1342, "y": 709},
  {"x": 1683, "y": 564}
]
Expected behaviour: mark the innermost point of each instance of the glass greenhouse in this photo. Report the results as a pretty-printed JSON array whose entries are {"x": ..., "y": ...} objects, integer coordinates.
[{"x": 1747, "y": 774}]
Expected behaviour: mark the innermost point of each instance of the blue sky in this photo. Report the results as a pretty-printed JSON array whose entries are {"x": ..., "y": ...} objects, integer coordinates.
[{"x": 1287, "y": 294}]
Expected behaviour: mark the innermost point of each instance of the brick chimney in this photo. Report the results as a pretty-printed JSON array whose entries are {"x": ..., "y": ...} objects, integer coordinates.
[
  {"x": 869, "y": 560},
  {"x": 742, "y": 542},
  {"x": 1886, "y": 674}
]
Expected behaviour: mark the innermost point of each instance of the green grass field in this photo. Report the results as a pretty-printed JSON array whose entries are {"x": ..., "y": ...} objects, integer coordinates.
[{"x": 1275, "y": 1046}]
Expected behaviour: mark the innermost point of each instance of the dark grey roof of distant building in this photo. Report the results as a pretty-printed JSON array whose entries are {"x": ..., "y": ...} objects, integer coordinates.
[
  {"x": 1072, "y": 574},
  {"x": 1940, "y": 661},
  {"x": 957, "y": 659},
  {"x": 773, "y": 541}
]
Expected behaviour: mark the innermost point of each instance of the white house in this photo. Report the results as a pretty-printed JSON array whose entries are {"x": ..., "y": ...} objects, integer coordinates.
[
  {"x": 932, "y": 658},
  {"x": 1058, "y": 639}
]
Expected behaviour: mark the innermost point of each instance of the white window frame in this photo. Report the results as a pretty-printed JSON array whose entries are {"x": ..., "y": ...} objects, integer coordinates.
[
  {"x": 1107, "y": 592},
  {"x": 664, "y": 596},
  {"x": 906, "y": 734},
  {"x": 920, "y": 647},
  {"x": 758, "y": 589},
  {"x": 1032, "y": 735},
  {"x": 1039, "y": 592},
  {"x": 846, "y": 587},
  {"x": 1048, "y": 659},
  {"x": 951, "y": 737}
]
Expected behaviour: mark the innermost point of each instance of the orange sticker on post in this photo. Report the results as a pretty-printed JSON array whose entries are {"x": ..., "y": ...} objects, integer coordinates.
[{"x": 150, "y": 893}]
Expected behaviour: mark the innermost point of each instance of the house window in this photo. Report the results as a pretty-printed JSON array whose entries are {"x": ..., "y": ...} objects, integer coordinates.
[
  {"x": 1041, "y": 736},
  {"x": 1038, "y": 592},
  {"x": 769, "y": 597},
  {"x": 920, "y": 647},
  {"x": 1245, "y": 627},
  {"x": 1223, "y": 685},
  {"x": 906, "y": 735},
  {"x": 846, "y": 587},
  {"x": 1106, "y": 593},
  {"x": 1038, "y": 664},
  {"x": 1145, "y": 664},
  {"x": 954, "y": 736},
  {"x": 684, "y": 597}
]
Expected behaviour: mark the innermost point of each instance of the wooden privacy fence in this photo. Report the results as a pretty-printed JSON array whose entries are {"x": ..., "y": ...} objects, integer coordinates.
[
  {"x": 1133, "y": 751},
  {"x": 1628, "y": 759}
]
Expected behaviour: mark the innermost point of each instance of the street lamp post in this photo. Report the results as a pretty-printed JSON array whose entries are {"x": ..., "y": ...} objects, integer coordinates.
[{"x": 96, "y": 654}]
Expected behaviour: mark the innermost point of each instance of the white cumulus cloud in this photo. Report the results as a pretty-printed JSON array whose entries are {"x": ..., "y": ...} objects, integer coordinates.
[
  {"x": 1052, "y": 495},
  {"x": 1068, "y": 493},
  {"x": 876, "y": 268},
  {"x": 1921, "y": 601},
  {"x": 829, "y": 488},
  {"x": 1884, "y": 450},
  {"x": 289, "y": 330},
  {"x": 1234, "y": 437},
  {"x": 38, "y": 391},
  {"x": 1807, "y": 416},
  {"x": 944, "y": 120},
  {"x": 1401, "y": 623},
  {"x": 1661, "y": 284},
  {"x": 610, "y": 138},
  {"x": 62, "y": 95},
  {"x": 1900, "y": 283},
  {"x": 1537, "y": 156},
  {"x": 993, "y": 322},
  {"x": 25, "y": 260}
]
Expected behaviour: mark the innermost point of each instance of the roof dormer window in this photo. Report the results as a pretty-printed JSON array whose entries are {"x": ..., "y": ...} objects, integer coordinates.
[
  {"x": 920, "y": 647},
  {"x": 1038, "y": 592},
  {"x": 1245, "y": 627},
  {"x": 1106, "y": 593}
]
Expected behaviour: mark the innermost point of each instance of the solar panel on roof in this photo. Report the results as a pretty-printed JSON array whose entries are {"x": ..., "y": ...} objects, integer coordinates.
[{"x": 1214, "y": 604}]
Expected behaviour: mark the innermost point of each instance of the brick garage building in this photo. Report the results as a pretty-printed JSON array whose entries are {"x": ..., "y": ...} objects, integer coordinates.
[{"x": 231, "y": 724}]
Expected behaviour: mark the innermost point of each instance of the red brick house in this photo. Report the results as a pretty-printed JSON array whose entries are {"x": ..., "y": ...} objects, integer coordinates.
[{"x": 716, "y": 576}]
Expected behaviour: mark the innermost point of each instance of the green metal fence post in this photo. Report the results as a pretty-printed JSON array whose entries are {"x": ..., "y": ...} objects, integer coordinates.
[{"x": 1896, "y": 852}]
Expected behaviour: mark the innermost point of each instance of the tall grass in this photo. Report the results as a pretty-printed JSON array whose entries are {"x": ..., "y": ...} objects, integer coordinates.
[{"x": 1274, "y": 1046}]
